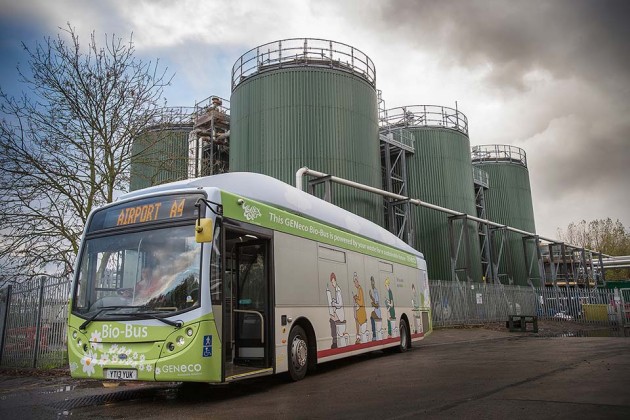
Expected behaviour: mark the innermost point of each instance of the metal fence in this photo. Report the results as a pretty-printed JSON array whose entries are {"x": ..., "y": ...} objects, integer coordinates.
[
  {"x": 33, "y": 319},
  {"x": 33, "y": 315},
  {"x": 456, "y": 303}
]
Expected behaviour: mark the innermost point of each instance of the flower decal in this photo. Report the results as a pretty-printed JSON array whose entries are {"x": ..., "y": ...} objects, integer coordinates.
[
  {"x": 251, "y": 212},
  {"x": 88, "y": 361},
  {"x": 96, "y": 341},
  {"x": 73, "y": 366},
  {"x": 157, "y": 370},
  {"x": 104, "y": 359}
]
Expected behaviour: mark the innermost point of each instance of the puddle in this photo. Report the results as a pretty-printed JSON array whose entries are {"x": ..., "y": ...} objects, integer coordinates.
[
  {"x": 616, "y": 332},
  {"x": 66, "y": 388},
  {"x": 604, "y": 332}
]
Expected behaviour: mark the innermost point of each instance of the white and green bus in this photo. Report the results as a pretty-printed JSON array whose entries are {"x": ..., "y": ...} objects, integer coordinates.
[{"x": 237, "y": 275}]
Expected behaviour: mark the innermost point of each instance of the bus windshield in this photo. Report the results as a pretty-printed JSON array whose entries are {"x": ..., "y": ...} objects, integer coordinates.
[{"x": 151, "y": 271}]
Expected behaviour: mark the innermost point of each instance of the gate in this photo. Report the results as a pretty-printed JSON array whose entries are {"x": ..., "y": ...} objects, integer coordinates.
[
  {"x": 625, "y": 306},
  {"x": 34, "y": 330}
]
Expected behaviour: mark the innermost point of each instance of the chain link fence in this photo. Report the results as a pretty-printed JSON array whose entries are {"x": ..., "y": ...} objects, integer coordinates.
[{"x": 33, "y": 318}]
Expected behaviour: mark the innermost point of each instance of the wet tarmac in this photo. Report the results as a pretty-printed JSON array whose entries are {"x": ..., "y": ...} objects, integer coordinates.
[{"x": 516, "y": 359}]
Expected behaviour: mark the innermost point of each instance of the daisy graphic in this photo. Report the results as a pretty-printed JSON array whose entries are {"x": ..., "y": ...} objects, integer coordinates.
[
  {"x": 88, "y": 361},
  {"x": 142, "y": 357},
  {"x": 157, "y": 371},
  {"x": 141, "y": 367},
  {"x": 135, "y": 355},
  {"x": 73, "y": 366},
  {"x": 113, "y": 348},
  {"x": 149, "y": 368},
  {"x": 96, "y": 340},
  {"x": 104, "y": 359}
]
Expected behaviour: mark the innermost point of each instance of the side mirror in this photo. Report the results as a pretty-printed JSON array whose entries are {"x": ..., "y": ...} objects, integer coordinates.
[{"x": 203, "y": 230}]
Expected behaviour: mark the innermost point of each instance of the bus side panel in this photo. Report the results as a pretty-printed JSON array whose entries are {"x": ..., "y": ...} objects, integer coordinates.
[
  {"x": 296, "y": 288},
  {"x": 316, "y": 282}
]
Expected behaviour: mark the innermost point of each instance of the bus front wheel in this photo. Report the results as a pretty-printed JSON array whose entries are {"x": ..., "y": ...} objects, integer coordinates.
[{"x": 298, "y": 353}]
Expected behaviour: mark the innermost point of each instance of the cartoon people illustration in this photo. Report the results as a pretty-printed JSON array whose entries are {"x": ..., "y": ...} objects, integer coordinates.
[
  {"x": 335, "y": 310},
  {"x": 389, "y": 303},
  {"x": 414, "y": 297},
  {"x": 360, "y": 316},
  {"x": 375, "y": 316},
  {"x": 416, "y": 309}
]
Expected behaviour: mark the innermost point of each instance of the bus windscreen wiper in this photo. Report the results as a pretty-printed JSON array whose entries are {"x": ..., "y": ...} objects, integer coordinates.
[
  {"x": 176, "y": 324},
  {"x": 93, "y": 317}
]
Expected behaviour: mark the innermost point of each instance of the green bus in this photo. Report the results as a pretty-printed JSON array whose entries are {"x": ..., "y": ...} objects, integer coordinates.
[{"x": 237, "y": 275}]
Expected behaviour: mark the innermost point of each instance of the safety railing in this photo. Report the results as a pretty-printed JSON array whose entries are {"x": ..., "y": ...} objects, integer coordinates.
[
  {"x": 424, "y": 116},
  {"x": 481, "y": 177},
  {"x": 303, "y": 52},
  {"x": 499, "y": 153}
]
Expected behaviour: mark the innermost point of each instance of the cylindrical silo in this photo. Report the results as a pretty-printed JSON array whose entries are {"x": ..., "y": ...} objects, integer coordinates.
[
  {"x": 508, "y": 202},
  {"x": 439, "y": 171},
  {"x": 308, "y": 102},
  {"x": 160, "y": 153}
]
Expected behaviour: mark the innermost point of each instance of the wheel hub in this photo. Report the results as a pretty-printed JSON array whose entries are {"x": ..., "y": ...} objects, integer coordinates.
[{"x": 298, "y": 352}]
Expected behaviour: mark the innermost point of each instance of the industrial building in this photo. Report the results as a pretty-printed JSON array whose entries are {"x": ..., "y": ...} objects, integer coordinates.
[{"x": 314, "y": 103}]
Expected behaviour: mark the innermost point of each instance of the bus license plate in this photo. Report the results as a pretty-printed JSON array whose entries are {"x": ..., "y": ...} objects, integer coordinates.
[{"x": 122, "y": 374}]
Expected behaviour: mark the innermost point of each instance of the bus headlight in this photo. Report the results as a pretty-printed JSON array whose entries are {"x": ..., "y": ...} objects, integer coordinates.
[
  {"x": 180, "y": 340},
  {"x": 189, "y": 332},
  {"x": 170, "y": 347}
]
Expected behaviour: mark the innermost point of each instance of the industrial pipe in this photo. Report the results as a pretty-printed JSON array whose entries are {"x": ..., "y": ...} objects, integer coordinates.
[{"x": 306, "y": 171}]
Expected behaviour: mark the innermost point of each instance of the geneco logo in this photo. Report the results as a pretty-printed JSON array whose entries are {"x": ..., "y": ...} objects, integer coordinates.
[{"x": 251, "y": 212}]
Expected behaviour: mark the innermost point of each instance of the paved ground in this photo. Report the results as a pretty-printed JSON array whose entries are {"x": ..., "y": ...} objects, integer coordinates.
[{"x": 467, "y": 372}]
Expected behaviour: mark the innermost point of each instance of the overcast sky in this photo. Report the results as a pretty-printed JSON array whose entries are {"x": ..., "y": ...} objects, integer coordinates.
[{"x": 551, "y": 77}]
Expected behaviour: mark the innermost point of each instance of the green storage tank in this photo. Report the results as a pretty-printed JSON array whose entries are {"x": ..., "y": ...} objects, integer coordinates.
[
  {"x": 440, "y": 172},
  {"x": 508, "y": 202},
  {"x": 160, "y": 153},
  {"x": 308, "y": 102}
]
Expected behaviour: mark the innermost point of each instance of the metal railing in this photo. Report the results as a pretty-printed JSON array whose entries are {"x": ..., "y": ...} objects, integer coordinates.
[
  {"x": 35, "y": 315},
  {"x": 303, "y": 52},
  {"x": 209, "y": 104},
  {"x": 400, "y": 137},
  {"x": 499, "y": 153},
  {"x": 424, "y": 116},
  {"x": 455, "y": 303},
  {"x": 481, "y": 177},
  {"x": 172, "y": 117}
]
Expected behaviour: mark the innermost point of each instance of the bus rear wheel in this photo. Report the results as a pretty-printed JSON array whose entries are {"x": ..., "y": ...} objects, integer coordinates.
[
  {"x": 405, "y": 339},
  {"x": 298, "y": 353}
]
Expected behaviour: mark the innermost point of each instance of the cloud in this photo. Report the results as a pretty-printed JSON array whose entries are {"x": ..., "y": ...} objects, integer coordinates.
[{"x": 550, "y": 76}]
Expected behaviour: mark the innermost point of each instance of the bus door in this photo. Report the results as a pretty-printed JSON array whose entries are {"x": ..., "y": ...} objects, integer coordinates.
[{"x": 247, "y": 306}]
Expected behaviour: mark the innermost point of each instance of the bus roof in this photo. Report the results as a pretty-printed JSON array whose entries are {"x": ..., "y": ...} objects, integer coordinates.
[{"x": 276, "y": 193}]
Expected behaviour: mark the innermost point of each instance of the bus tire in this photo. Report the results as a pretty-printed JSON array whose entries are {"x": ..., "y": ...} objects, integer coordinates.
[
  {"x": 405, "y": 338},
  {"x": 298, "y": 353}
]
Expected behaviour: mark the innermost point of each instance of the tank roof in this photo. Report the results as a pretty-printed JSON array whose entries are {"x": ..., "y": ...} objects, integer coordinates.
[
  {"x": 303, "y": 52},
  {"x": 271, "y": 191},
  {"x": 499, "y": 153}
]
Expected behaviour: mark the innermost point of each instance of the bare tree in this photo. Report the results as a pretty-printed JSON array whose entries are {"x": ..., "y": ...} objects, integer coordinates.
[
  {"x": 604, "y": 235},
  {"x": 66, "y": 145}
]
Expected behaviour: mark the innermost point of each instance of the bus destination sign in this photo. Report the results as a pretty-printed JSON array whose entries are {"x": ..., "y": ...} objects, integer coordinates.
[{"x": 173, "y": 207}]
